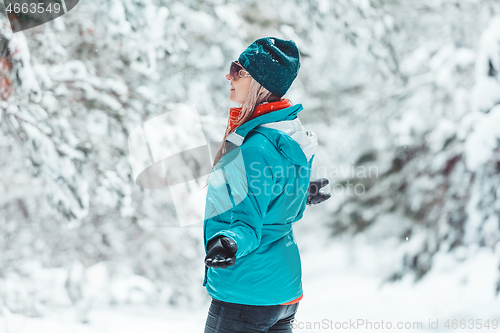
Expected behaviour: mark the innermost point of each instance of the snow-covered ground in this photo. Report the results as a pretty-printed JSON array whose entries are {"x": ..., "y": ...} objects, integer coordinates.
[
  {"x": 342, "y": 284},
  {"x": 350, "y": 289}
]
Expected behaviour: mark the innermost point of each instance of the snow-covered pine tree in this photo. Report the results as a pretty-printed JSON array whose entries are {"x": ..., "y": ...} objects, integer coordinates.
[{"x": 437, "y": 181}]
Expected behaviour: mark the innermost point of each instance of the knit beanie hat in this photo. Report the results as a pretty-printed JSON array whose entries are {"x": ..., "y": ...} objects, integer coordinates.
[{"x": 272, "y": 62}]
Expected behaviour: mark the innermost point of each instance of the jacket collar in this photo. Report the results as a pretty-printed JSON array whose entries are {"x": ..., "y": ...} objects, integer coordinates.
[{"x": 238, "y": 136}]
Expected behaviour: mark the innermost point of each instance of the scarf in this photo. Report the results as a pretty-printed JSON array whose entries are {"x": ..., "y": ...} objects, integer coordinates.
[{"x": 259, "y": 110}]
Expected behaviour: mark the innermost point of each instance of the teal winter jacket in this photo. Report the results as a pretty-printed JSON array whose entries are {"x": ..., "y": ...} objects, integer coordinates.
[{"x": 256, "y": 192}]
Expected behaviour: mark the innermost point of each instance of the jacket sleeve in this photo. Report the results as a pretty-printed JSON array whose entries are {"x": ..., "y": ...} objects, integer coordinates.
[
  {"x": 250, "y": 180},
  {"x": 303, "y": 206}
]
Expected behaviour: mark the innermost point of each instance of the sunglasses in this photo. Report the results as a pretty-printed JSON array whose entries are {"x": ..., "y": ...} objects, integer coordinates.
[{"x": 236, "y": 71}]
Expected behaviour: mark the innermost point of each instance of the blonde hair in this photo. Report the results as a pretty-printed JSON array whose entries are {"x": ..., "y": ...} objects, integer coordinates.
[{"x": 256, "y": 95}]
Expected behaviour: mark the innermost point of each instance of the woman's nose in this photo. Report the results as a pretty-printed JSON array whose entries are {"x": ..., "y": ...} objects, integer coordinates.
[{"x": 228, "y": 77}]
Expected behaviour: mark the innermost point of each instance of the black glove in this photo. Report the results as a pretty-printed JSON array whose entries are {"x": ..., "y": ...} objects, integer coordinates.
[
  {"x": 315, "y": 196},
  {"x": 221, "y": 252}
]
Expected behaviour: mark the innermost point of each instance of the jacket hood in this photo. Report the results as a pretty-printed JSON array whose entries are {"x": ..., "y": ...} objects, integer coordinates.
[
  {"x": 307, "y": 140},
  {"x": 284, "y": 129}
]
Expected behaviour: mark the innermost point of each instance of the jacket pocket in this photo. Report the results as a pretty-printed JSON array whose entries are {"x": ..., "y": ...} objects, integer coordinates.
[{"x": 218, "y": 195}]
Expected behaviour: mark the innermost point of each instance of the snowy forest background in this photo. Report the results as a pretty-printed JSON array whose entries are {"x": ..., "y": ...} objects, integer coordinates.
[{"x": 409, "y": 90}]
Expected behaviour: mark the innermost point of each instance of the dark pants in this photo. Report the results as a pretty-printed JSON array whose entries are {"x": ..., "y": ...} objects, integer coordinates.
[{"x": 224, "y": 317}]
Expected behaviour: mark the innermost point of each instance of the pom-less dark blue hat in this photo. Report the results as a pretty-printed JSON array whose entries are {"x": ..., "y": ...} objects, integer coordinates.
[{"x": 272, "y": 62}]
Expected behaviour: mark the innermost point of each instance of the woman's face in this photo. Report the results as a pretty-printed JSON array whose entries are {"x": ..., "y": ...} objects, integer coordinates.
[{"x": 239, "y": 89}]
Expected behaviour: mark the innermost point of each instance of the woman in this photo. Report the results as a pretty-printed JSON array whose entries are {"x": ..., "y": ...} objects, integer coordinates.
[{"x": 257, "y": 189}]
